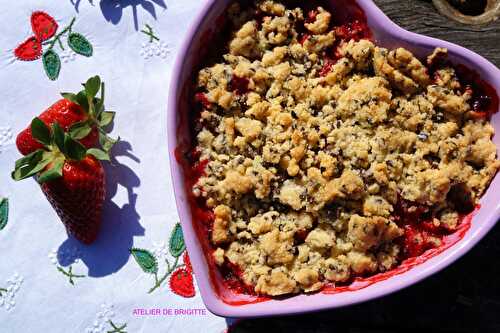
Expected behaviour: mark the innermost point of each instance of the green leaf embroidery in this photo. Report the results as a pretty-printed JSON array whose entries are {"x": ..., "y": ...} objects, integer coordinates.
[
  {"x": 117, "y": 328},
  {"x": 80, "y": 44},
  {"x": 4, "y": 212},
  {"x": 77, "y": 42},
  {"x": 176, "y": 242},
  {"x": 150, "y": 33},
  {"x": 146, "y": 260},
  {"x": 40, "y": 131},
  {"x": 70, "y": 274},
  {"x": 51, "y": 64}
]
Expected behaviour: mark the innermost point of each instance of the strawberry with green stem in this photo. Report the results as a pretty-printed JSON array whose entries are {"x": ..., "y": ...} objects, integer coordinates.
[
  {"x": 97, "y": 116},
  {"x": 70, "y": 175},
  {"x": 82, "y": 115}
]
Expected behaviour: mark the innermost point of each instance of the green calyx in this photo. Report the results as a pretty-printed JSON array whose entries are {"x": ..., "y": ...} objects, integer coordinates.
[
  {"x": 94, "y": 107},
  {"x": 58, "y": 147}
]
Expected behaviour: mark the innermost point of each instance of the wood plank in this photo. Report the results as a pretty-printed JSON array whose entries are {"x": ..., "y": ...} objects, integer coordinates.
[{"x": 421, "y": 17}]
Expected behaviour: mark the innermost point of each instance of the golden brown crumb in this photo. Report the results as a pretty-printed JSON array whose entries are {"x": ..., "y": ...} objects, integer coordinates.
[{"x": 305, "y": 170}]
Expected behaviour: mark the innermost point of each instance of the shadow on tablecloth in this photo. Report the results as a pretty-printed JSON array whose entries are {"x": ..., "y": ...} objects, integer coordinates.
[
  {"x": 111, "y": 252},
  {"x": 465, "y": 297},
  {"x": 112, "y": 10}
]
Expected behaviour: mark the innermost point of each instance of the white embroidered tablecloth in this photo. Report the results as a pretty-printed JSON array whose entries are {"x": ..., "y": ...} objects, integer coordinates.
[{"x": 52, "y": 283}]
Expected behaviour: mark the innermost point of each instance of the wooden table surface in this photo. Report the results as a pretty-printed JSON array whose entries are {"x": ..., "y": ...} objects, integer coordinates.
[
  {"x": 464, "y": 297},
  {"x": 421, "y": 17}
]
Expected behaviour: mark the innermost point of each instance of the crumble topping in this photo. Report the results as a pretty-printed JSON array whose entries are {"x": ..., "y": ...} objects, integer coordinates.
[{"x": 311, "y": 158}]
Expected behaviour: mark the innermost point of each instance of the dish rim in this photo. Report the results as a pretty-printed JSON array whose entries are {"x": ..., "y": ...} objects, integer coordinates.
[{"x": 380, "y": 24}]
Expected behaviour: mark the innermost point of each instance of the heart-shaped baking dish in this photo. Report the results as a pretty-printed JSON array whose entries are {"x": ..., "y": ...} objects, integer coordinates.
[{"x": 223, "y": 301}]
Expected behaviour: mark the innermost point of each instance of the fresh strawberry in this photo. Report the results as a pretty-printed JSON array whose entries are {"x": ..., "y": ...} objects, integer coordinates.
[
  {"x": 181, "y": 283},
  {"x": 65, "y": 113},
  {"x": 82, "y": 115},
  {"x": 78, "y": 197},
  {"x": 71, "y": 177}
]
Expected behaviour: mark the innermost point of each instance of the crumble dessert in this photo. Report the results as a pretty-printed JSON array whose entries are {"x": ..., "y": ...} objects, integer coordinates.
[{"x": 327, "y": 157}]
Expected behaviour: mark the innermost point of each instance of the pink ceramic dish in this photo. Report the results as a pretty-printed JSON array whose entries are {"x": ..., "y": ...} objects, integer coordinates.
[{"x": 385, "y": 33}]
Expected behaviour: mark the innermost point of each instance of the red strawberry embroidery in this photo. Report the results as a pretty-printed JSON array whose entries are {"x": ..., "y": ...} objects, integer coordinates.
[
  {"x": 187, "y": 262},
  {"x": 45, "y": 30},
  {"x": 181, "y": 283},
  {"x": 28, "y": 50},
  {"x": 44, "y": 26}
]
